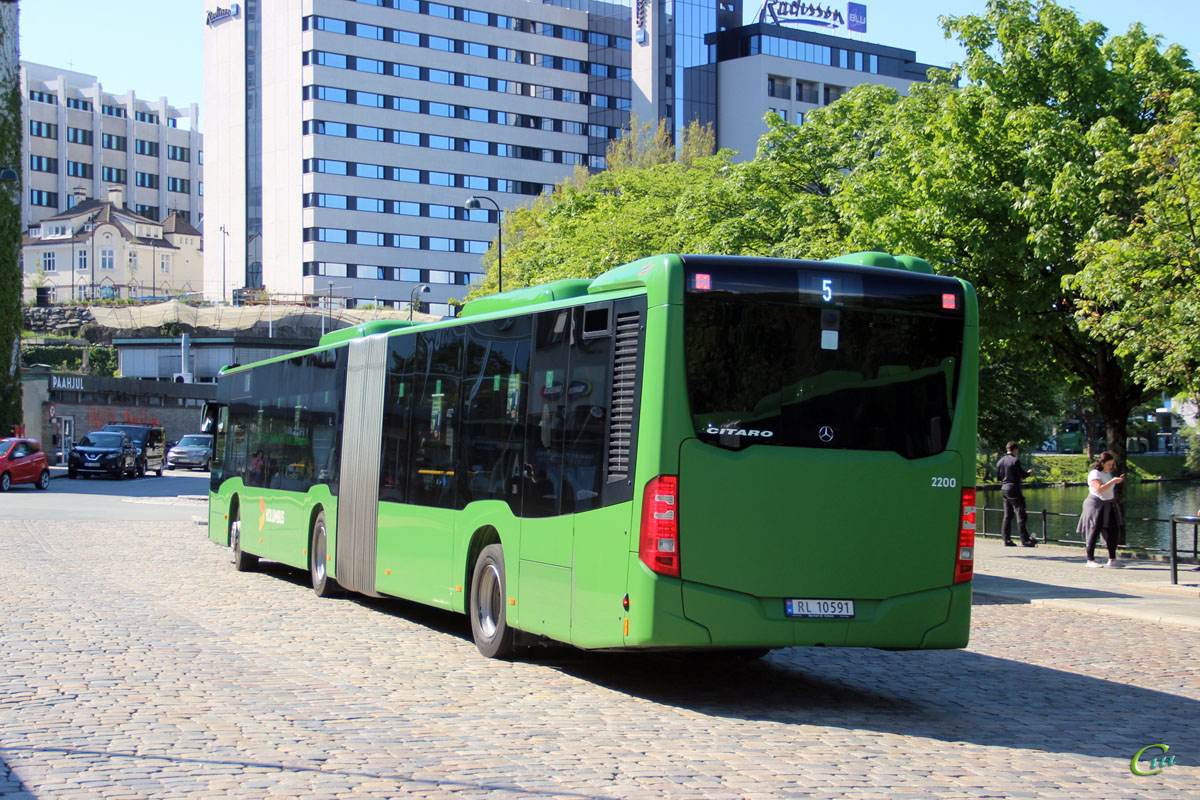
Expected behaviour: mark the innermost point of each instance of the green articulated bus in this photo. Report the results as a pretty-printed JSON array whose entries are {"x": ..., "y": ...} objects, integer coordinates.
[{"x": 685, "y": 452}]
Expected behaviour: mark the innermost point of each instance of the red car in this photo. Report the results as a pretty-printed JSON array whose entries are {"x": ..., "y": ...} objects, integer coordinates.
[{"x": 22, "y": 461}]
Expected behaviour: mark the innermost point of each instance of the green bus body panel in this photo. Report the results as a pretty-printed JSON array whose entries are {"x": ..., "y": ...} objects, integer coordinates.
[
  {"x": 783, "y": 522},
  {"x": 415, "y": 543},
  {"x": 873, "y": 258},
  {"x": 545, "y": 598},
  {"x": 956, "y": 630},
  {"x": 218, "y": 519},
  {"x": 518, "y": 300},
  {"x": 599, "y": 580},
  {"x": 741, "y": 620},
  {"x": 546, "y": 540},
  {"x": 366, "y": 329},
  {"x": 656, "y": 617},
  {"x": 661, "y": 276},
  {"x": 264, "y": 532}
]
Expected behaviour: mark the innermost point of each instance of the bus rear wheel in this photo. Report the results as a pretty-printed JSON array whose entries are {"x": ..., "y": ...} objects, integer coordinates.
[
  {"x": 322, "y": 584},
  {"x": 242, "y": 561},
  {"x": 489, "y": 618}
]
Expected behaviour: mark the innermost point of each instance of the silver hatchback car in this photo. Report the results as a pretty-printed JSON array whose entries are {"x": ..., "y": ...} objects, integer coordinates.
[{"x": 193, "y": 450}]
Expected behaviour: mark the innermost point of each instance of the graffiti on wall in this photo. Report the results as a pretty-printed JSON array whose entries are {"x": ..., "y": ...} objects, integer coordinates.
[{"x": 99, "y": 416}]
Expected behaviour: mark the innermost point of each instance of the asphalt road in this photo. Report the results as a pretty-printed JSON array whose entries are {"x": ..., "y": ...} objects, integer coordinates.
[
  {"x": 136, "y": 663},
  {"x": 177, "y": 496}
]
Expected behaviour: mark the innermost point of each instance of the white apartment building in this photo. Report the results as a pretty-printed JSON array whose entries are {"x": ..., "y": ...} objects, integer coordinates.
[
  {"x": 346, "y": 136},
  {"x": 80, "y": 137},
  {"x": 102, "y": 250}
]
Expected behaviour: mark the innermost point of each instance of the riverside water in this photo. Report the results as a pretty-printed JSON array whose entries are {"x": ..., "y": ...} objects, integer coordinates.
[{"x": 1144, "y": 501}]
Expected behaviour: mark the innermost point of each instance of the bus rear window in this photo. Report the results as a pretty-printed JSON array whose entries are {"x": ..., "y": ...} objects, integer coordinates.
[{"x": 774, "y": 361}]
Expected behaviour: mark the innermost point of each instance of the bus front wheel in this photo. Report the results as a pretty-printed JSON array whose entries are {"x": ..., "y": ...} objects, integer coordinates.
[
  {"x": 489, "y": 618},
  {"x": 242, "y": 561},
  {"x": 322, "y": 584}
]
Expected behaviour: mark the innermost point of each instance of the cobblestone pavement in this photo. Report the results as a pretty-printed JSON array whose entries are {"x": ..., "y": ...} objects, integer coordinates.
[{"x": 136, "y": 663}]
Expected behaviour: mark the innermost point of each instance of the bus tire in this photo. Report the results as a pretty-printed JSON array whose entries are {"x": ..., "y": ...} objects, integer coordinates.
[
  {"x": 488, "y": 611},
  {"x": 322, "y": 584},
  {"x": 242, "y": 561}
]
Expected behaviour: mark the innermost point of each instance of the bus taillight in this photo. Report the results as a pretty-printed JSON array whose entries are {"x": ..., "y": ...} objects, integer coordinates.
[
  {"x": 659, "y": 544},
  {"x": 964, "y": 560}
]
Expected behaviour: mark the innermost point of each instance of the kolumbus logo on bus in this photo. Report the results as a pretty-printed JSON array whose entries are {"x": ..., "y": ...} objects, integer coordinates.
[{"x": 275, "y": 516}]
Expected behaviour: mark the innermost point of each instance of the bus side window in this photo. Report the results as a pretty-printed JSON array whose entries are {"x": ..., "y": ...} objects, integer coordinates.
[
  {"x": 495, "y": 384},
  {"x": 438, "y": 368},
  {"x": 397, "y": 414},
  {"x": 542, "y": 473},
  {"x": 587, "y": 400}
]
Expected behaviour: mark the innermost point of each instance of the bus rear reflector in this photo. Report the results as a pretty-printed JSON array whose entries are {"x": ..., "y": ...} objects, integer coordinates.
[
  {"x": 964, "y": 559},
  {"x": 659, "y": 544}
]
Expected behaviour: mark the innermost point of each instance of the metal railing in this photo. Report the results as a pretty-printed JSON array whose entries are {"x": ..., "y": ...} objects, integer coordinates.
[
  {"x": 1187, "y": 519},
  {"x": 1045, "y": 515}
]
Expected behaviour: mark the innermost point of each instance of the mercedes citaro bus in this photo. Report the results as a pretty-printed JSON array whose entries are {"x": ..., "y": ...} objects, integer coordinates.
[{"x": 686, "y": 452}]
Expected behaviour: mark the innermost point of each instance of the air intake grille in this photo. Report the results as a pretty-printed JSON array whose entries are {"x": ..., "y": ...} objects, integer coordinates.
[{"x": 625, "y": 364}]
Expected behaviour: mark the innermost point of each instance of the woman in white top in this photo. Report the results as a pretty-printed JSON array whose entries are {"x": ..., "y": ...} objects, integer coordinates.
[{"x": 1100, "y": 512}]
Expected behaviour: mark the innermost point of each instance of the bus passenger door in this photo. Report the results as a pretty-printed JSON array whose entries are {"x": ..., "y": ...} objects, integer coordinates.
[
  {"x": 358, "y": 495},
  {"x": 602, "y": 401},
  {"x": 547, "y": 497}
]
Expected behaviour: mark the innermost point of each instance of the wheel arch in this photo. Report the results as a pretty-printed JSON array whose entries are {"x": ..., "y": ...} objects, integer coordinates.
[
  {"x": 483, "y": 536},
  {"x": 317, "y": 508},
  {"x": 235, "y": 505}
]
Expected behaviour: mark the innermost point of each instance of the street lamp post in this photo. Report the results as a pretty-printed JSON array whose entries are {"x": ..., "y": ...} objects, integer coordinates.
[
  {"x": 473, "y": 203},
  {"x": 420, "y": 288},
  {"x": 224, "y": 237},
  {"x": 327, "y": 320}
]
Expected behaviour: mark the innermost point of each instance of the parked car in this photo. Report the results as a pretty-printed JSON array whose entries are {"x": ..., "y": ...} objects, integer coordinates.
[
  {"x": 149, "y": 441},
  {"x": 103, "y": 453},
  {"x": 193, "y": 450},
  {"x": 22, "y": 461}
]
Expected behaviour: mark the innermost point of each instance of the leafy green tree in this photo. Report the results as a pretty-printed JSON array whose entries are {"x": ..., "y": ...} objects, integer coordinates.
[
  {"x": 11, "y": 412},
  {"x": 1140, "y": 292},
  {"x": 1001, "y": 179}
]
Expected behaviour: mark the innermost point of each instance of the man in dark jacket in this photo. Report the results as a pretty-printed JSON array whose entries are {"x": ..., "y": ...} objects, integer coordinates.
[{"x": 1010, "y": 474}]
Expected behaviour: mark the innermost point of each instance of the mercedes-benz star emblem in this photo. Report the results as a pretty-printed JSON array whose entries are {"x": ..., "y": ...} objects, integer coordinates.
[{"x": 826, "y": 434}]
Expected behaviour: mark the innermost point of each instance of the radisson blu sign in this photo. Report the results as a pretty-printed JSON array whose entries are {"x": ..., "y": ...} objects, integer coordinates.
[
  {"x": 213, "y": 17},
  {"x": 821, "y": 15}
]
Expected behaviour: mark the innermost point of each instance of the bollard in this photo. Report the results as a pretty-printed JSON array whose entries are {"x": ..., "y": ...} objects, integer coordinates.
[{"x": 1174, "y": 560}]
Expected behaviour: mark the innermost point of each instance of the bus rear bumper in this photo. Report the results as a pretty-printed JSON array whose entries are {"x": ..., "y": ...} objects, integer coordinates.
[{"x": 930, "y": 619}]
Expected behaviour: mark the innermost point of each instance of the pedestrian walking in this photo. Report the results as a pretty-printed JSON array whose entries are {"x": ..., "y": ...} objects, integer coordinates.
[
  {"x": 1010, "y": 473},
  {"x": 1101, "y": 516}
]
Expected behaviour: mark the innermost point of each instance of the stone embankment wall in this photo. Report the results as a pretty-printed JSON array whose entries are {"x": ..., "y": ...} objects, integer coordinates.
[{"x": 57, "y": 320}]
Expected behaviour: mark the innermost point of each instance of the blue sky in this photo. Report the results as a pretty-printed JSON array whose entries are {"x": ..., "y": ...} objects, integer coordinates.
[{"x": 156, "y": 47}]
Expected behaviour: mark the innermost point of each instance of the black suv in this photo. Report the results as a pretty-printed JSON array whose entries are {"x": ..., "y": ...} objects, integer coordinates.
[
  {"x": 103, "y": 453},
  {"x": 150, "y": 443}
]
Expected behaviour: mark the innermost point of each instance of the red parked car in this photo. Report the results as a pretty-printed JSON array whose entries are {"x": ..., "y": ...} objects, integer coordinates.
[{"x": 22, "y": 461}]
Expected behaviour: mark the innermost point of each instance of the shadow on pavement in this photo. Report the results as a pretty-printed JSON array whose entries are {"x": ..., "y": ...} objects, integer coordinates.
[
  {"x": 947, "y": 696},
  {"x": 1037, "y": 589},
  {"x": 170, "y": 484},
  {"x": 11, "y": 786}
]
